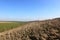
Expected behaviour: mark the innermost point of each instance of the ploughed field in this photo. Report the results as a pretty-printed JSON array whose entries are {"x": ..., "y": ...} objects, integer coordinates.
[
  {"x": 34, "y": 30},
  {"x": 4, "y": 26}
]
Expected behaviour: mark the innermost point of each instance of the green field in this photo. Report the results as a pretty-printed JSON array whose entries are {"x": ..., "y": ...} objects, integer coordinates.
[{"x": 4, "y": 26}]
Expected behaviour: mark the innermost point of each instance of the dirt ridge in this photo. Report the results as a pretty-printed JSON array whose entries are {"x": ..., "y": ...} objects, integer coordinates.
[{"x": 40, "y": 30}]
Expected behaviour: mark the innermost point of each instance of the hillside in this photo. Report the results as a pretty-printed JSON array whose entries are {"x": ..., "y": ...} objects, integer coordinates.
[{"x": 39, "y": 30}]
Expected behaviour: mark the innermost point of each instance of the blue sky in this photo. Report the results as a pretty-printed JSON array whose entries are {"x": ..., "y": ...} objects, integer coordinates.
[{"x": 24, "y": 10}]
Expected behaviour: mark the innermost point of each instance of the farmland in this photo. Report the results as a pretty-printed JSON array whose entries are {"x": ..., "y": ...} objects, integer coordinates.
[
  {"x": 4, "y": 26},
  {"x": 35, "y": 30}
]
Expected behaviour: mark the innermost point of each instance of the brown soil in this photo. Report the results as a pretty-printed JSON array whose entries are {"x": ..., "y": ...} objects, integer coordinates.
[{"x": 39, "y": 30}]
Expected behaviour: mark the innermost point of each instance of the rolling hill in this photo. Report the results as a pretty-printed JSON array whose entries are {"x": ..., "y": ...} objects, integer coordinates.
[{"x": 35, "y": 30}]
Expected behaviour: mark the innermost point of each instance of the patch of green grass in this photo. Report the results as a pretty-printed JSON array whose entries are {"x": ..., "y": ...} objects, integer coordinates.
[{"x": 7, "y": 26}]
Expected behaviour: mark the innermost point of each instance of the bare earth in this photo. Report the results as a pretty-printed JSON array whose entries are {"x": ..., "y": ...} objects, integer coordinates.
[{"x": 40, "y": 30}]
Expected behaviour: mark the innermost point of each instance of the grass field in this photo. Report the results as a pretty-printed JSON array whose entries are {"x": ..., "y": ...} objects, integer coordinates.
[{"x": 4, "y": 26}]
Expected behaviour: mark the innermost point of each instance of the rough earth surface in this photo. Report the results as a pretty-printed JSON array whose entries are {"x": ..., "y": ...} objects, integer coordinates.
[{"x": 39, "y": 30}]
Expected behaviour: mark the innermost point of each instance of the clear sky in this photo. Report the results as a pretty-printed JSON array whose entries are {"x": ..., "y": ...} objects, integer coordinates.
[{"x": 29, "y": 9}]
